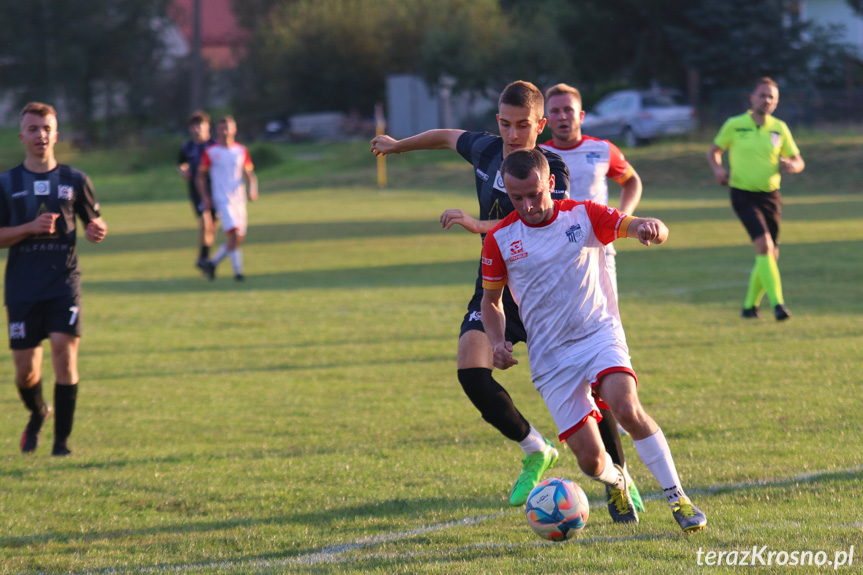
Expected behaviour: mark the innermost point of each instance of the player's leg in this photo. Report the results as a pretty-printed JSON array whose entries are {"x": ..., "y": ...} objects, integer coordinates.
[
  {"x": 239, "y": 217},
  {"x": 495, "y": 404},
  {"x": 26, "y": 332},
  {"x": 618, "y": 390},
  {"x": 608, "y": 427},
  {"x": 64, "y": 356},
  {"x": 205, "y": 227},
  {"x": 594, "y": 461}
]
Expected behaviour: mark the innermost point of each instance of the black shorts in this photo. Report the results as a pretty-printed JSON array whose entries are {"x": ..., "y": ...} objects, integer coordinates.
[
  {"x": 30, "y": 323},
  {"x": 760, "y": 212},
  {"x": 473, "y": 318},
  {"x": 197, "y": 202}
]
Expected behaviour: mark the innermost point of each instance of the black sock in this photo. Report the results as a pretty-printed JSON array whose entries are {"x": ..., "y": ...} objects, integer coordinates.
[
  {"x": 493, "y": 402},
  {"x": 32, "y": 397},
  {"x": 611, "y": 437},
  {"x": 205, "y": 252},
  {"x": 65, "y": 397}
]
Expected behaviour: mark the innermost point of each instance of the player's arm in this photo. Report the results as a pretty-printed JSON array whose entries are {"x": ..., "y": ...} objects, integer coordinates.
[
  {"x": 630, "y": 193},
  {"x": 792, "y": 165},
  {"x": 96, "y": 230},
  {"x": 251, "y": 181},
  {"x": 494, "y": 323},
  {"x": 468, "y": 222},
  {"x": 714, "y": 158},
  {"x": 647, "y": 230},
  {"x": 430, "y": 140},
  {"x": 184, "y": 171},
  {"x": 43, "y": 224}
]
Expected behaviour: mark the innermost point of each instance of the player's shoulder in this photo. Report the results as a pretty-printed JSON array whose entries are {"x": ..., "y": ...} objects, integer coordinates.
[
  {"x": 569, "y": 204},
  {"x": 482, "y": 142},
  {"x": 510, "y": 220},
  {"x": 67, "y": 171}
]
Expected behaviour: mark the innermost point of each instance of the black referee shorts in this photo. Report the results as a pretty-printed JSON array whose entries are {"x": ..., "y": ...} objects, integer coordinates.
[{"x": 760, "y": 212}]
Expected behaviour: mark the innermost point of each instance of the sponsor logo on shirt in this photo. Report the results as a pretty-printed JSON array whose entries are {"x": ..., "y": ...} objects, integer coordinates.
[
  {"x": 17, "y": 330},
  {"x": 66, "y": 193},
  {"x": 486, "y": 261},
  {"x": 516, "y": 250},
  {"x": 482, "y": 175},
  {"x": 574, "y": 234},
  {"x": 498, "y": 183},
  {"x": 592, "y": 158},
  {"x": 20, "y": 194},
  {"x": 42, "y": 187}
]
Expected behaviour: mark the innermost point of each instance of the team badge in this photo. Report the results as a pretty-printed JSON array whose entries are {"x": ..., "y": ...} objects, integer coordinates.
[
  {"x": 42, "y": 187},
  {"x": 66, "y": 193},
  {"x": 17, "y": 330},
  {"x": 775, "y": 139},
  {"x": 574, "y": 234},
  {"x": 498, "y": 182}
]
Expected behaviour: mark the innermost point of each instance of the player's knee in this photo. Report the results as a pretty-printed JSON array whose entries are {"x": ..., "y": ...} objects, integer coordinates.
[
  {"x": 591, "y": 461},
  {"x": 480, "y": 387},
  {"x": 629, "y": 415}
]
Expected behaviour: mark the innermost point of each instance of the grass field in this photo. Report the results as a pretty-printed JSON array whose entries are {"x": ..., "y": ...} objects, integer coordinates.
[{"x": 309, "y": 420}]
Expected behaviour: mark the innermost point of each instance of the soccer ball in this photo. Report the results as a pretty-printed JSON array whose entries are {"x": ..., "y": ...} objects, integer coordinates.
[{"x": 557, "y": 509}]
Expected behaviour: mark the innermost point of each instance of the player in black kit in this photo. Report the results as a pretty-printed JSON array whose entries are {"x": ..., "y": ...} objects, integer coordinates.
[
  {"x": 39, "y": 200},
  {"x": 187, "y": 166}
]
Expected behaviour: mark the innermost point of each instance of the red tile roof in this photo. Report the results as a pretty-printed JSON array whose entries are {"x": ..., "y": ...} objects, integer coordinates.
[{"x": 222, "y": 39}]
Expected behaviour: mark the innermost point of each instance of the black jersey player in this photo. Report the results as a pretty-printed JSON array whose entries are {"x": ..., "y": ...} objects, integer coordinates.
[{"x": 39, "y": 201}]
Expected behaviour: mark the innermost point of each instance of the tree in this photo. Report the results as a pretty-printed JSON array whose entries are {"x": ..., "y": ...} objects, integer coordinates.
[{"x": 83, "y": 54}]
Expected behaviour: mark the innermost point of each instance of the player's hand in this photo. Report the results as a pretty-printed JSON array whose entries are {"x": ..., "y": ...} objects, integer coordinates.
[
  {"x": 502, "y": 355},
  {"x": 383, "y": 145},
  {"x": 721, "y": 176},
  {"x": 652, "y": 231},
  {"x": 460, "y": 217},
  {"x": 253, "y": 194},
  {"x": 44, "y": 224},
  {"x": 786, "y": 165},
  {"x": 96, "y": 231}
]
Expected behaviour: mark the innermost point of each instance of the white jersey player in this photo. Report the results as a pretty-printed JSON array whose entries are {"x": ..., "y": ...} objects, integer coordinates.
[
  {"x": 551, "y": 254},
  {"x": 231, "y": 177},
  {"x": 590, "y": 161}
]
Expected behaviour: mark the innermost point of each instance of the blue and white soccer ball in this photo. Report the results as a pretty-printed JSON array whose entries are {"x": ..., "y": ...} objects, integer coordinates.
[{"x": 557, "y": 509}]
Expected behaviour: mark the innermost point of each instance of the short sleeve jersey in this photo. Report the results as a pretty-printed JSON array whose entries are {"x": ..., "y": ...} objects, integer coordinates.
[
  {"x": 754, "y": 151},
  {"x": 45, "y": 267},
  {"x": 590, "y": 163},
  {"x": 485, "y": 152},
  {"x": 191, "y": 152},
  {"x": 226, "y": 165},
  {"x": 558, "y": 276}
]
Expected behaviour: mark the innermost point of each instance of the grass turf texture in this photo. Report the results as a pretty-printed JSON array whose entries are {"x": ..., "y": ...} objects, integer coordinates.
[{"x": 309, "y": 420}]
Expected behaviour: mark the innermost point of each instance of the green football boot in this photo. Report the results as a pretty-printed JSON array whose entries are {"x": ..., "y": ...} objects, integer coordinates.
[
  {"x": 633, "y": 492},
  {"x": 532, "y": 468}
]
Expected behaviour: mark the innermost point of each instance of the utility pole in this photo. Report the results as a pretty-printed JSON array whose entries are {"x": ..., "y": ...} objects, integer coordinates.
[{"x": 196, "y": 77}]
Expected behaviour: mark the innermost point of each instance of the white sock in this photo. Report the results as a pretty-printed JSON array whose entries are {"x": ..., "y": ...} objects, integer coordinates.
[
  {"x": 656, "y": 455},
  {"x": 533, "y": 442},
  {"x": 220, "y": 255},
  {"x": 237, "y": 261},
  {"x": 610, "y": 474}
]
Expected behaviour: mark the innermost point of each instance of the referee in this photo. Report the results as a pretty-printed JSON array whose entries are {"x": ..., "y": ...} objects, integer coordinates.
[{"x": 759, "y": 148}]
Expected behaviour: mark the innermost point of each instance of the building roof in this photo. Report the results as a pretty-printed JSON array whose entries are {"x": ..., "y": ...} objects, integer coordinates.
[{"x": 222, "y": 39}]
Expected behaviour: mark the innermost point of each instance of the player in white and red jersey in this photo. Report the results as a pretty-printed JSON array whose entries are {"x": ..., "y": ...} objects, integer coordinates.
[
  {"x": 551, "y": 254},
  {"x": 231, "y": 176},
  {"x": 591, "y": 162}
]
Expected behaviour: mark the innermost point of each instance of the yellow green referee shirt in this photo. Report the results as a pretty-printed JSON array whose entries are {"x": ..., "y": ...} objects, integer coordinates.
[{"x": 754, "y": 151}]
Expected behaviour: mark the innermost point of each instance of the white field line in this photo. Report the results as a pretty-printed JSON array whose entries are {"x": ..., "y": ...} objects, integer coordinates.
[{"x": 335, "y": 553}]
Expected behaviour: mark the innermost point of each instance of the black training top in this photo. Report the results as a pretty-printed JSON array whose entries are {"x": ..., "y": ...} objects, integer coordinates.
[
  {"x": 45, "y": 267},
  {"x": 190, "y": 153},
  {"x": 485, "y": 152}
]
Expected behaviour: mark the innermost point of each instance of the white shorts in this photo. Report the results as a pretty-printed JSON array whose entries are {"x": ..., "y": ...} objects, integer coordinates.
[
  {"x": 233, "y": 216},
  {"x": 567, "y": 389}
]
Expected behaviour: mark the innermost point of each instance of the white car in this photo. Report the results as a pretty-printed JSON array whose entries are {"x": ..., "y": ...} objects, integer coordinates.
[{"x": 636, "y": 116}]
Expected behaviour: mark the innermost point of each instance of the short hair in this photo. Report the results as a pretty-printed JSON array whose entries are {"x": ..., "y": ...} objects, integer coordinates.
[
  {"x": 199, "y": 117},
  {"x": 766, "y": 80},
  {"x": 523, "y": 95},
  {"x": 226, "y": 119},
  {"x": 524, "y": 161},
  {"x": 559, "y": 89},
  {"x": 39, "y": 109}
]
